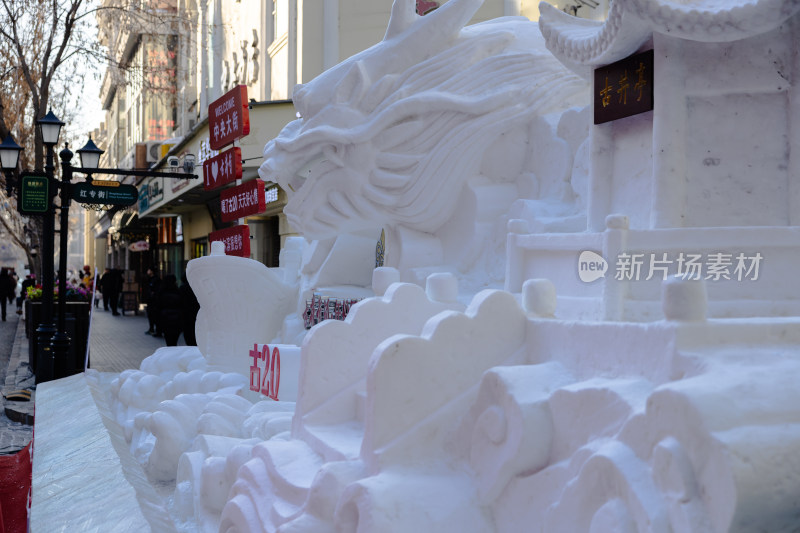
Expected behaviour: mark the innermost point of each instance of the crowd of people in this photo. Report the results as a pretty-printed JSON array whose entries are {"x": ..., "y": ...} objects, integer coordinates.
[{"x": 171, "y": 309}]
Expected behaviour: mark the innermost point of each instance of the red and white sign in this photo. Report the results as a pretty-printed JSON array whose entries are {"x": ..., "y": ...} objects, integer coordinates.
[
  {"x": 236, "y": 240},
  {"x": 267, "y": 381},
  {"x": 274, "y": 371},
  {"x": 229, "y": 117},
  {"x": 243, "y": 200},
  {"x": 139, "y": 246},
  {"x": 222, "y": 169}
]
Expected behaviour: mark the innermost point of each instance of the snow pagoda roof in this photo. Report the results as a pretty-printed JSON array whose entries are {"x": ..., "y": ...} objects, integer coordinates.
[{"x": 581, "y": 43}]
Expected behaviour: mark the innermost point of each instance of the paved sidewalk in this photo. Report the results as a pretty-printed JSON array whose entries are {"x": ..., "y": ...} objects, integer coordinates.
[
  {"x": 14, "y": 375},
  {"x": 118, "y": 343}
]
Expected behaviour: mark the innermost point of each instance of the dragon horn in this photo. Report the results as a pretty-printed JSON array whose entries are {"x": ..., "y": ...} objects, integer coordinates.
[
  {"x": 439, "y": 25},
  {"x": 403, "y": 15}
]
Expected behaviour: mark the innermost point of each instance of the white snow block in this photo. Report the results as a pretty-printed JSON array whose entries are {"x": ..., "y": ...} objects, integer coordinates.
[{"x": 79, "y": 483}]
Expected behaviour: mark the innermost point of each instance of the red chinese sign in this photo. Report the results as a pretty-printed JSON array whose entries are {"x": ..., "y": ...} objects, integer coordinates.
[
  {"x": 235, "y": 239},
  {"x": 222, "y": 169},
  {"x": 267, "y": 381},
  {"x": 229, "y": 117},
  {"x": 243, "y": 200}
]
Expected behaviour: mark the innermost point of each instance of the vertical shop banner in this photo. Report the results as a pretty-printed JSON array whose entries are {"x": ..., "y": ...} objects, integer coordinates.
[
  {"x": 242, "y": 201},
  {"x": 235, "y": 239},
  {"x": 229, "y": 117},
  {"x": 222, "y": 169}
]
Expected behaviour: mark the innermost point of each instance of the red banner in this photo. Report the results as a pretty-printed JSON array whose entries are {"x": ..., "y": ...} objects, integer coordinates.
[
  {"x": 243, "y": 200},
  {"x": 236, "y": 240},
  {"x": 222, "y": 169},
  {"x": 229, "y": 118}
]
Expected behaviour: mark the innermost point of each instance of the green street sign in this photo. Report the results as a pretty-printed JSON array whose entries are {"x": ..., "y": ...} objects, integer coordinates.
[
  {"x": 89, "y": 193},
  {"x": 34, "y": 195}
]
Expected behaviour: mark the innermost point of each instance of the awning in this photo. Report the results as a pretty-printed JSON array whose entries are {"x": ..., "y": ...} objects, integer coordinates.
[{"x": 121, "y": 219}]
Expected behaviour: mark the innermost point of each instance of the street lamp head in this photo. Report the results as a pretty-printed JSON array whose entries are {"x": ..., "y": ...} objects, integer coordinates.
[
  {"x": 50, "y": 127},
  {"x": 9, "y": 153},
  {"x": 90, "y": 155},
  {"x": 66, "y": 154}
]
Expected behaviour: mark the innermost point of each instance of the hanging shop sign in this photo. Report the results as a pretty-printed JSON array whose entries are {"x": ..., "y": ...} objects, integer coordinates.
[
  {"x": 229, "y": 117},
  {"x": 242, "y": 201},
  {"x": 139, "y": 246},
  {"x": 235, "y": 239},
  {"x": 624, "y": 88},
  {"x": 222, "y": 169},
  {"x": 90, "y": 193},
  {"x": 34, "y": 197}
]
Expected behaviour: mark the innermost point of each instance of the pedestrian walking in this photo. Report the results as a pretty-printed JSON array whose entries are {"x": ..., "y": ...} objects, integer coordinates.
[
  {"x": 8, "y": 288},
  {"x": 116, "y": 295},
  {"x": 152, "y": 285},
  {"x": 110, "y": 285},
  {"x": 28, "y": 282},
  {"x": 189, "y": 310},
  {"x": 106, "y": 280},
  {"x": 169, "y": 307}
]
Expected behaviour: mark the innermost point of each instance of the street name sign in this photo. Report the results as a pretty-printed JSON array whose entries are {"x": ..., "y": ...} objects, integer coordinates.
[{"x": 92, "y": 193}]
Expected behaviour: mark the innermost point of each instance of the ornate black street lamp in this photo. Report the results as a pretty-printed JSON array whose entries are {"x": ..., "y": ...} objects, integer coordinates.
[{"x": 9, "y": 161}]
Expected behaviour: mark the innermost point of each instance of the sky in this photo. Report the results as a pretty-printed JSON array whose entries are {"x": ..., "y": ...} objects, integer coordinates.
[{"x": 89, "y": 111}]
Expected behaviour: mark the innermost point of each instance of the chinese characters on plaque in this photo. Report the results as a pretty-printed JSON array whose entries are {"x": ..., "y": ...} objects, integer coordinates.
[
  {"x": 320, "y": 308},
  {"x": 222, "y": 169},
  {"x": 229, "y": 117},
  {"x": 624, "y": 88},
  {"x": 243, "y": 200},
  {"x": 235, "y": 239}
]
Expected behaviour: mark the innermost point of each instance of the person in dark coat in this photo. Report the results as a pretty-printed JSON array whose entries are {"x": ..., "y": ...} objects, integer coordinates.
[
  {"x": 107, "y": 283},
  {"x": 152, "y": 285},
  {"x": 28, "y": 282},
  {"x": 8, "y": 288},
  {"x": 189, "y": 309},
  {"x": 169, "y": 310}
]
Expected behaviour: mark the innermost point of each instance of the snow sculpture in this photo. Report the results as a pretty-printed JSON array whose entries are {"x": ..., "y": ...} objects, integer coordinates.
[
  {"x": 434, "y": 144},
  {"x": 418, "y": 413}
]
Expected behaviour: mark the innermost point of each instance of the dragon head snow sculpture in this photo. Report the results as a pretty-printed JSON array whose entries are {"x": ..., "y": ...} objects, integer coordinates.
[{"x": 391, "y": 137}]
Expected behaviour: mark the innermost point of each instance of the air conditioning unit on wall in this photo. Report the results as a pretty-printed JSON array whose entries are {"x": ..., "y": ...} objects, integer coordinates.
[{"x": 153, "y": 151}]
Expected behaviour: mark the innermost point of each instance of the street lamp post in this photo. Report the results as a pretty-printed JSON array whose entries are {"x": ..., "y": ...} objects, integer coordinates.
[
  {"x": 50, "y": 128},
  {"x": 60, "y": 342}
]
